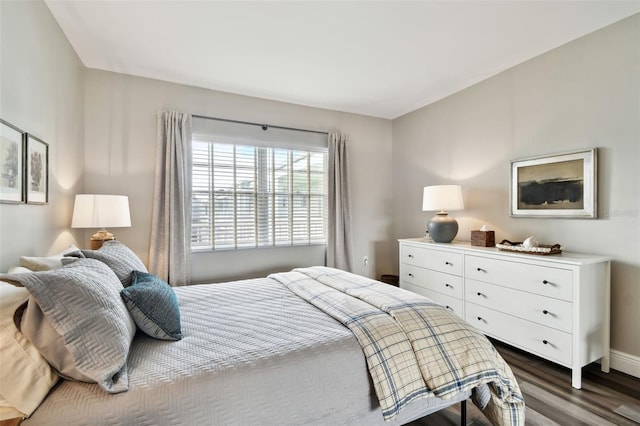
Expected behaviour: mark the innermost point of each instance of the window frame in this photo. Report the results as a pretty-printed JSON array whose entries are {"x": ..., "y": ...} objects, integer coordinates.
[{"x": 256, "y": 194}]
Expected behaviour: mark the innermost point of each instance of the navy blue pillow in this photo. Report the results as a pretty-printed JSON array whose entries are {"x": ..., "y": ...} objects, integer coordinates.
[{"x": 153, "y": 305}]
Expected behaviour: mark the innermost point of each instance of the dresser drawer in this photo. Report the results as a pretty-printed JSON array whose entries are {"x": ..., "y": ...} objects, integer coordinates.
[
  {"x": 451, "y": 303},
  {"x": 532, "y": 307},
  {"x": 543, "y": 280},
  {"x": 442, "y": 261},
  {"x": 447, "y": 284},
  {"x": 535, "y": 338}
]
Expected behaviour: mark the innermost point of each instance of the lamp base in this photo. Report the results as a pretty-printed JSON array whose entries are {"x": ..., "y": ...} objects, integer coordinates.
[
  {"x": 100, "y": 237},
  {"x": 442, "y": 228}
]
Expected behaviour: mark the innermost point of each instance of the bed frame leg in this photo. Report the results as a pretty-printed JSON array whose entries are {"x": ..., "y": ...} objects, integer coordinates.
[{"x": 463, "y": 413}]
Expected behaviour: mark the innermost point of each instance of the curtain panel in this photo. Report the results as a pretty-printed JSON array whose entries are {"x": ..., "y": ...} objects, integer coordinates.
[
  {"x": 169, "y": 251},
  {"x": 339, "y": 244}
]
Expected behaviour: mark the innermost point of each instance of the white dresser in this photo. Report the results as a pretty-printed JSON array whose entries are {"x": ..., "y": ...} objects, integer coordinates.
[{"x": 556, "y": 306}]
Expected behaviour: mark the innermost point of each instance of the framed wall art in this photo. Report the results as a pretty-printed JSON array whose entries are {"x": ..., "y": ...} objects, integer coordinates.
[
  {"x": 561, "y": 186},
  {"x": 37, "y": 171},
  {"x": 12, "y": 141}
]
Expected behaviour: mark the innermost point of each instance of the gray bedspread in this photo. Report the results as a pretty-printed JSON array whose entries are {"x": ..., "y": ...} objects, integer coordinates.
[{"x": 253, "y": 353}]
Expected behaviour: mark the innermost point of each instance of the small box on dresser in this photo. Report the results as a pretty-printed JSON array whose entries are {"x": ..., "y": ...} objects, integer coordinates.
[
  {"x": 483, "y": 238},
  {"x": 556, "y": 307}
]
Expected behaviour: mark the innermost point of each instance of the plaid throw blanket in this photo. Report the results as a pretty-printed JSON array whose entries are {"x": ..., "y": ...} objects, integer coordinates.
[{"x": 414, "y": 348}]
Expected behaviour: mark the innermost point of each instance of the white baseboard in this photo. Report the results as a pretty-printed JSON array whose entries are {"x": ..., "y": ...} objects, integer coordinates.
[{"x": 626, "y": 363}]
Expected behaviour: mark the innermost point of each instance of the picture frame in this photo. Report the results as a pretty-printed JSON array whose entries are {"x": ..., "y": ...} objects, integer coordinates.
[
  {"x": 555, "y": 186},
  {"x": 12, "y": 152},
  {"x": 37, "y": 170}
]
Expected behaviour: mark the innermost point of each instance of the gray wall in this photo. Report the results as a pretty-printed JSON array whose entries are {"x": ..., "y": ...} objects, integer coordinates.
[
  {"x": 41, "y": 92},
  {"x": 120, "y": 135},
  {"x": 581, "y": 95}
]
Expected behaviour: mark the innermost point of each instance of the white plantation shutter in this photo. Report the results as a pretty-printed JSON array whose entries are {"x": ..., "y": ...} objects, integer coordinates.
[{"x": 247, "y": 193}]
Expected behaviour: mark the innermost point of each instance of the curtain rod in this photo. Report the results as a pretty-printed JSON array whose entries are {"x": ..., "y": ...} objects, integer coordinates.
[{"x": 264, "y": 126}]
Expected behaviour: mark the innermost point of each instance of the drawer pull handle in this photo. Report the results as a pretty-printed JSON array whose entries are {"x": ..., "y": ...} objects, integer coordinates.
[
  {"x": 480, "y": 294},
  {"x": 448, "y": 263},
  {"x": 545, "y": 312},
  {"x": 545, "y": 282},
  {"x": 480, "y": 270},
  {"x": 546, "y": 342},
  {"x": 480, "y": 319},
  {"x": 411, "y": 275},
  {"x": 449, "y": 308},
  {"x": 448, "y": 285},
  {"x": 411, "y": 256}
]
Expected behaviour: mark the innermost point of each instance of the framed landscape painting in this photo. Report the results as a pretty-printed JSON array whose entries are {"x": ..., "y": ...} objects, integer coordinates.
[
  {"x": 11, "y": 164},
  {"x": 37, "y": 176},
  {"x": 560, "y": 186}
]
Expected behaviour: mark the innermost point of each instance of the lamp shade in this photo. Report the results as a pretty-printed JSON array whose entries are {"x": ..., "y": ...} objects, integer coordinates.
[
  {"x": 442, "y": 197},
  {"x": 101, "y": 211}
]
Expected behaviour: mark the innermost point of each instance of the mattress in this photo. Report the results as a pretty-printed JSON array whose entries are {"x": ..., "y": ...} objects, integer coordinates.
[{"x": 252, "y": 353}]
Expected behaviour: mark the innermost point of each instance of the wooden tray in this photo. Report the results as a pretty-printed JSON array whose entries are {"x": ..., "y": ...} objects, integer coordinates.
[{"x": 542, "y": 249}]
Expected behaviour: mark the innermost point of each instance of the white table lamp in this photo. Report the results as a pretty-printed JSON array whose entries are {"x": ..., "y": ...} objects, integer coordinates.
[
  {"x": 442, "y": 228},
  {"x": 101, "y": 211}
]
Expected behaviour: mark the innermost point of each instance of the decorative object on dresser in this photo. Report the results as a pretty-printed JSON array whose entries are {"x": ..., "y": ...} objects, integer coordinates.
[
  {"x": 442, "y": 228},
  {"x": 556, "y": 307},
  {"x": 523, "y": 247},
  {"x": 101, "y": 211},
  {"x": 12, "y": 142},
  {"x": 483, "y": 237},
  {"x": 37, "y": 171},
  {"x": 561, "y": 185}
]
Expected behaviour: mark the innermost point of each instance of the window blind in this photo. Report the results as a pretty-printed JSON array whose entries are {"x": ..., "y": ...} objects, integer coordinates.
[{"x": 246, "y": 193}]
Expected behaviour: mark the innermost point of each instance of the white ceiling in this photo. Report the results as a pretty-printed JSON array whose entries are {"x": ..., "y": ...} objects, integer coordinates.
[{"x": 378, "y": 58}]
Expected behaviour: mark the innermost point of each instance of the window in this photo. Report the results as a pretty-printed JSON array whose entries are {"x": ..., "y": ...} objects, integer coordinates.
[{"x": 250, "y": 195}]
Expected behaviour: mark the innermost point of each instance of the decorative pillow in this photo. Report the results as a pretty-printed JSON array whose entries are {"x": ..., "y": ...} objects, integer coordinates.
[
  {"x": 82, "y": 302},
  {"x": 25, "y": 376},
  {"x": 153, "y": 305},
  {"x": 40, "y": 331},
  {"x": 46, "y": 263},
  {"x": 119, "y": 258}
]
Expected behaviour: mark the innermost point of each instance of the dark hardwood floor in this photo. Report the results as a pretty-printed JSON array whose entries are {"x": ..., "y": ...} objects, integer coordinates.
[{"x": 605, "y": 398}]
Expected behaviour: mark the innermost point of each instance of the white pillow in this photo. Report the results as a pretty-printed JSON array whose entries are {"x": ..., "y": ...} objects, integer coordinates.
[
  {"x": 36, "y": 263},
  {"x": 25, "y": 376},
  {"x": 19, "y": 270},
  {"x": 7, "y": 412}
]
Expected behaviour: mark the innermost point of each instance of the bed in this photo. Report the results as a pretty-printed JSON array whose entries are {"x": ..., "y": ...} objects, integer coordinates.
[{"x": 281, "y": 350}]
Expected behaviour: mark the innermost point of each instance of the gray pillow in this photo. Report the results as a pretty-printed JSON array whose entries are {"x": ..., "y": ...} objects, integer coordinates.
[
  {"x": 154, "y": 306},
  {"x": 36, "y": 327},
  {"x": 119, "y": 258},
  {"x": 82, "y": 302}
]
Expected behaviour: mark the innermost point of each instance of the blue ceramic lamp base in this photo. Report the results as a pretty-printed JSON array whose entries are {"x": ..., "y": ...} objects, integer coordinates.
[{"x": 442, "y": 228}]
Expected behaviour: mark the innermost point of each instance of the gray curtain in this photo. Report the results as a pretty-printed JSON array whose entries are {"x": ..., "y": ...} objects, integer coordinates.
[
  {"x": 339, "y": 248},
  {"x": 171, "y": 222}
]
